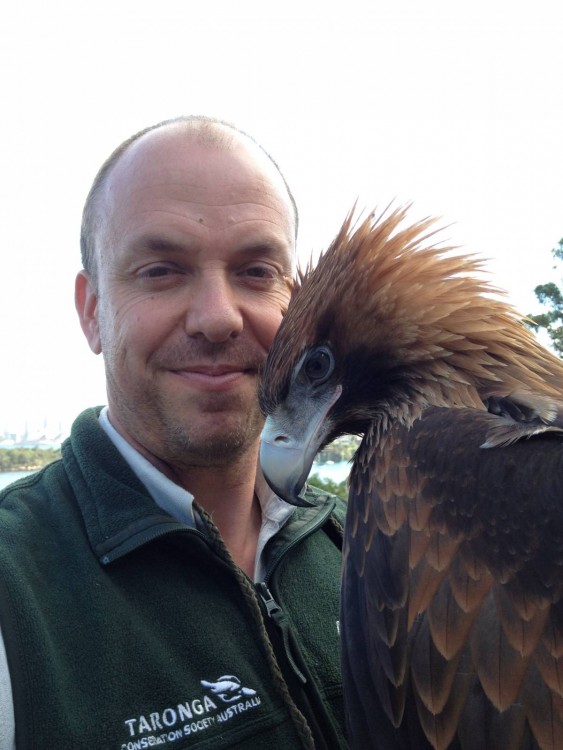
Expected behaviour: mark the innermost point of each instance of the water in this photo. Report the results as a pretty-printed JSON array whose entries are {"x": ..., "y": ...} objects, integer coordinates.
[
  {"x": 337, "y": 472},
  {"x": 7, "y": 477}
]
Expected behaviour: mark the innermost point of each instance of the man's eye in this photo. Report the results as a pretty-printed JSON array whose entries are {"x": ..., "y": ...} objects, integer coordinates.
[
  {"x": 155, "y": 272},
  {"x": 260, "y": 272}
]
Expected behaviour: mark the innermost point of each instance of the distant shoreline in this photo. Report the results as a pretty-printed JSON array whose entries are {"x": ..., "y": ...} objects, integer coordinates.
[
  {"x": 13, "y": 460},
  {"x": 7, "y": 477}
]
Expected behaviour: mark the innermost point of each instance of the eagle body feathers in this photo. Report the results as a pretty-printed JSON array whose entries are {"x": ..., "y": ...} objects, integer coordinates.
[{"x": 452, "y": 590}]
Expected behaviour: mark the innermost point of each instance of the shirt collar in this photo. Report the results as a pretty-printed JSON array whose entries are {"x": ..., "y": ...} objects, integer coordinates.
[
  {"x": 178, "y": 502},
  {"x": 172, "y": 498}
]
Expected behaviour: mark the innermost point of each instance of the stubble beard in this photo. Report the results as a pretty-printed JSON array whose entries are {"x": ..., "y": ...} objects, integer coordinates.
[
  {"x": 212, "y": 430},
  {"x": 216, "y": 433},
  {"x": 185, "y": 445},
  {"x": 223, "y": 427}
]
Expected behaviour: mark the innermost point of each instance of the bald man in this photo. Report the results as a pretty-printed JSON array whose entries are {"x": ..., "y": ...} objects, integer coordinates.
[{"x": 153, "y": 590}]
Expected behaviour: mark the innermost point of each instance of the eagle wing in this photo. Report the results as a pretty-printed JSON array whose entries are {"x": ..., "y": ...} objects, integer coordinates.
[{"x": 452, "y": 612}]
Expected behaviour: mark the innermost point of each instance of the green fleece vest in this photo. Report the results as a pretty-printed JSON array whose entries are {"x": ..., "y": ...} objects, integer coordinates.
[{"x": 125, "y": 629}]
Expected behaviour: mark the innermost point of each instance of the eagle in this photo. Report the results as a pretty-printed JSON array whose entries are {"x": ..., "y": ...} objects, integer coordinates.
[{"x": 451, "y": 624}]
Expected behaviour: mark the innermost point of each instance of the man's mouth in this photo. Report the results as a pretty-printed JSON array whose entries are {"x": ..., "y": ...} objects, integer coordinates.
[{"x": 214, "y": 377}]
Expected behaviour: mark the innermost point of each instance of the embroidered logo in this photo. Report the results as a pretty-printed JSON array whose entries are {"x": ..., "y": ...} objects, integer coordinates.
[
  {"x": 195, "y": 715},
  {"x": 228, "y": 688}
]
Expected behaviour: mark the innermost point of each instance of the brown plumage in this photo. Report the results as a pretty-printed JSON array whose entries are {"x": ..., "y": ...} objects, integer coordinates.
[{"x": 452, "y": 611}]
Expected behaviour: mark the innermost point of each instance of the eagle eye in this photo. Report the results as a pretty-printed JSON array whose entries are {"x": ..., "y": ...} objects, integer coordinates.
[{"x": 318, "y": 365}]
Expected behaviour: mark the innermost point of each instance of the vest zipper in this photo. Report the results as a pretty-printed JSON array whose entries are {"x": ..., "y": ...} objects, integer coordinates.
[
  {"x": 317, "y": 715},
  {"x": 278, "y": 616},
  {"x": 273, "y": 609}
]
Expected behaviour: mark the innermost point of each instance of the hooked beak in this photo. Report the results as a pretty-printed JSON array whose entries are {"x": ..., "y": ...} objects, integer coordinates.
[{"x": 291, "y": 438}]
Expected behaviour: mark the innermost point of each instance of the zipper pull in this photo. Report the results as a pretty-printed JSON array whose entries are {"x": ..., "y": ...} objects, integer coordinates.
[
  {"x": 278, "y": 616},
  {"x": 270, "y": 603}
]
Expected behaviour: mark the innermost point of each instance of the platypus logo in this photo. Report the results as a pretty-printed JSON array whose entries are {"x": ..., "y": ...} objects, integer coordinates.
[{"x": 228, "y": 688}]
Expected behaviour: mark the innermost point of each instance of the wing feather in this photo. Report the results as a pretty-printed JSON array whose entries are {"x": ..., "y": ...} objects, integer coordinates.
[
  {"x": 553, "y": 635},
  {"x": 470, "y": 583},
  {"x": 449, "y": 623},
  {"x": 544, "y": 712},
  {"x": 432, "y": 674},
  {"x": 523, "y": 632},
  {"x": 461, "y": 550},
  {"x": 440, "y": 727},
  {"x": 550, "y": 669},
  {"x": 500, "y": 667}
]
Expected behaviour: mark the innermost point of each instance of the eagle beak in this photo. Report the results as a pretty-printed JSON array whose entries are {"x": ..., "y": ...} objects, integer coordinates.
[
  {"x": 283, "y": 467},
  {"x": 289, "y": 445}
]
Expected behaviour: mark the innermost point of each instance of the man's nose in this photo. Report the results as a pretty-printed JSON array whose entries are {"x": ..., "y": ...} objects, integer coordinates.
[{"x": 213, "y": 309}]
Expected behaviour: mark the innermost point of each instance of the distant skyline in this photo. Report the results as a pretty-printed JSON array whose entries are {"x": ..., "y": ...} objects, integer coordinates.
[
  {"x": 457, "y": 107},
  {"x": 33, "y": 430}
]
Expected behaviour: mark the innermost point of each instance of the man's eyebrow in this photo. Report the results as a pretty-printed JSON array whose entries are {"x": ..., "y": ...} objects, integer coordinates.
[
  {"x": 272, "y": 250},
  {"x": 162, "y": 245},
  {"x": 267, "y": 247},
  {"x": 153, "y": 244}
]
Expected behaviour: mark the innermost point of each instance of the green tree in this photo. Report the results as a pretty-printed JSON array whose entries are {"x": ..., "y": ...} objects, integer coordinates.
[
  {"x": 23, "y": 459},
  {"x": 329, "y": 485},
  {"x": 551, "y": 296}
]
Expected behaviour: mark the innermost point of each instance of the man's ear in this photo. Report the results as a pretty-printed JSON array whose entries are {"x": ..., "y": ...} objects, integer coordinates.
[{"x": 86, "y": 301}]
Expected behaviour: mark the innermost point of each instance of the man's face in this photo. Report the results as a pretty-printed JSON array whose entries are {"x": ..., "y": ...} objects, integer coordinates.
[{"x": 194, "y": 260}]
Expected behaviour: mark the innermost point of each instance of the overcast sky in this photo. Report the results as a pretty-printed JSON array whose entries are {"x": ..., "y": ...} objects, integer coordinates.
[{"x": 457, "y": 107}]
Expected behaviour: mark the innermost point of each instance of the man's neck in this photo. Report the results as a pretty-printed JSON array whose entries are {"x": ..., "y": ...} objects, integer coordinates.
[
  {"x": 224, "y": 491},
  {"x": 227, "y": 495}
]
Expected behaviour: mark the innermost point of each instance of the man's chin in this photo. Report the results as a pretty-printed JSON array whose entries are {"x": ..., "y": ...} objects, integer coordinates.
[{"x": 219, "y": 443}]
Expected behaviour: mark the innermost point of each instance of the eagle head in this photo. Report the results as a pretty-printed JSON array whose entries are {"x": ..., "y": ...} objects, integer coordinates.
[{"x": 386, "y": 323}]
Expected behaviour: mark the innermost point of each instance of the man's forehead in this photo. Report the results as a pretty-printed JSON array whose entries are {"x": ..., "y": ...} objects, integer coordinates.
[
  {"x": 187, "y": 153},
  {"x": 168, "y": 172},
  {"x": 184, "y": 146}
]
